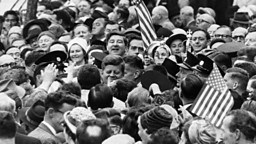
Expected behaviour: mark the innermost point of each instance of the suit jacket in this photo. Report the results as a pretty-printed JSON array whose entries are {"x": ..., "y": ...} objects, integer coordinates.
[
  {"x": 43, "y": 133},
  {"x": 23, "y": 139}
]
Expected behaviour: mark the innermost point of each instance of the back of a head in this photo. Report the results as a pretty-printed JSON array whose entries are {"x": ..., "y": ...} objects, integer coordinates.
[
  {"x": 134, "y": 61},
  {"x": 93, "y": 131},
  {"x": 222, "y": 59},
  {"x": 240, "y": 75},
  {"x": 191, "y": 86},
  {"x": 56, "y": 100},
  {"x": 123, "y": 11},
  {"x": 122, "y": 88},
  {"x": 164, "y": 136},
  {"x": 188, "y": 10},
  {"x": 137, "y": 97},
  {"x": 7, "y": 125},
  {"x": 245, "y": 122},
  {"x": 88, "y": 76},
  {"x": 249, "y": 52},
  {"x": 201, "y": 131},
  {"x": 249, "y": 105},
  {"x": 73, "y": 88},
  {"x": 250, "y": 67},
  {"x": 162, "y": 10},
  {"x": 100, "y": 96}
]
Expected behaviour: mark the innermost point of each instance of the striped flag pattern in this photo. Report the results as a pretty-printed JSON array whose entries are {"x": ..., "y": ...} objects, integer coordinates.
[
  {"x": 147, "y": 30},
  {"x": 214, "y": 99}
]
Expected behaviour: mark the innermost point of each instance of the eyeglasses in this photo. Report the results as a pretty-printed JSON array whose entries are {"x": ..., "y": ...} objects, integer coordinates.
[
  {"x": 240, "y": 37},
  {"x": 222, "y": 36},
  {"x": 12, "y": 64}
]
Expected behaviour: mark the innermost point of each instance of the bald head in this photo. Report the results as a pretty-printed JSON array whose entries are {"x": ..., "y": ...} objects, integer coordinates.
[
  {"x": 250, "y": 39},
  {"x": 188, "y": 10},
  {"x": 160, "y": 10}
]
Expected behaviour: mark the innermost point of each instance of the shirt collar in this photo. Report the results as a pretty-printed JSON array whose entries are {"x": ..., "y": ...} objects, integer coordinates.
[{"x": 50, "y": 128}]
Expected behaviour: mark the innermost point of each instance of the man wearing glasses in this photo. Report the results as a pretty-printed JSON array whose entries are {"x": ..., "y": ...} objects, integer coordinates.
[
  {"x": 224, "y": 32},
  {"x": 238, "y": 34},
  {"x": 204, "y": 21},
  {"x": 7, "y": 61}
]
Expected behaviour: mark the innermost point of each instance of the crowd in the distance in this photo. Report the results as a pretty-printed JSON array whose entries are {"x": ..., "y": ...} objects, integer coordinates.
[{"x": 81, "y": 74}]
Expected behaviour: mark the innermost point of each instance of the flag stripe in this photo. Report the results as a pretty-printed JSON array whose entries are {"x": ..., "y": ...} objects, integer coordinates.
[
  {"x": 214, "y": 100},
  {"x": 146, "y": 24},
  {"x": 147, "y": 30},
  {"x": 205, "y": 99},
  {"x": 210, "y": 103}
]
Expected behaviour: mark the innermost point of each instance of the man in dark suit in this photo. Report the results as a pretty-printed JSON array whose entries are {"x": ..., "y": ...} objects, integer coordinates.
[
  {"x": 8, "y": 104},
  {"x": 56, "y": 104}
]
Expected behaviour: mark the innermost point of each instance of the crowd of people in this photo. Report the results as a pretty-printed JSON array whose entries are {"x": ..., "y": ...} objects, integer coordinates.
[{"x": 80, "y": 73}]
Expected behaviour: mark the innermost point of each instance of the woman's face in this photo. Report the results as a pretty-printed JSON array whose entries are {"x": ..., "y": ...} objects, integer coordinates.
[
  {"x": 76, "y": 53},
  {"x": 44, "y": 42},
  {"x": 177, "y": 47},
  {"x": 160, "y": 55}
]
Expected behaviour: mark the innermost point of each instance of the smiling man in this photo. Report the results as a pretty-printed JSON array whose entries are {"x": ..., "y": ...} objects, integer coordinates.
[{"x": 116, "y": 43}]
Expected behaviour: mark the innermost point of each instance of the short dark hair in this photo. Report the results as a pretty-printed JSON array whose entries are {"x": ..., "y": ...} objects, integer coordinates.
[
  {"x": 122, "y": 88},
  {"x": 249, "y": 51},
  {"x": 134, "y": 37},
  {"x": 249, "y": 105},
  {"x": 32, "y": 57},
  {"x": 123, "y": 11},
  {"x": 113, "y": 60},
  {"x": 130, "y": 125},
  {"x": 85, "y": 135},
  {"x": 240, "y": 75},
  {"x": 7, "y": 125},
  {"x": 88, "y": 76},
  {"x": 163, "y": 136},
  {"x": 250, "y": 67},
  {"x": 113, "y": 23},
  {"x": 208, "y": 37},
  {"x": 100, "y": 96},
  {"x": 191, "y": 86},
  {"x": 119, "y": 34},
  {"x": 72, "y": 88},
  {"x": 64, "y": 15},
  {"x": 222, "y": 59},
  {"x": 11, "y": 12},
  {"x": 245, "y": 121},
  {"x": 55, "y": 100},
  {"x": 134, "y": 61}
]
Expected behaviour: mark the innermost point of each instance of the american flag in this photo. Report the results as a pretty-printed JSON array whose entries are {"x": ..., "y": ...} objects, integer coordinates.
[
  {"x": 147, "y": 30},
  {"x": 214, "y": 100}
]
